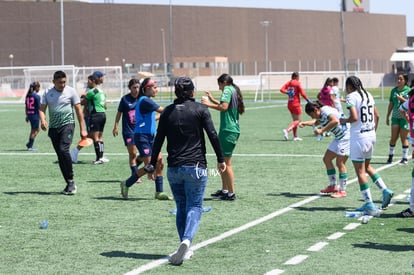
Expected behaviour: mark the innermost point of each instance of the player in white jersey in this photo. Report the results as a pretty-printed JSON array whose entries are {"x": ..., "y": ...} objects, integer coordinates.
[
  {"x": 363, "y": 116},
  {"x": 327, "y": 118}
]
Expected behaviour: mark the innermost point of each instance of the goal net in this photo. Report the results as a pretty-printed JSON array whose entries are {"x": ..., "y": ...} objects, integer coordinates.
[{"x": 15, "y": 81}]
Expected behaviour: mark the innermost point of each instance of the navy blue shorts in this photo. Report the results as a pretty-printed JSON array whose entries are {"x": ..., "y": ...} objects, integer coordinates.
[
  {"x": 128, "y": 139},
  {"x": 144, "y": 143},
  {"x": 34, "y": 122}
]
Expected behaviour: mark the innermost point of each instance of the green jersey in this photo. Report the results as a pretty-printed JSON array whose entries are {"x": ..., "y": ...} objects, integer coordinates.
[
  {"x": 229, "y": 120},
  {"x": 96, "y": 100},
  {"x": 396, "y": 102}
]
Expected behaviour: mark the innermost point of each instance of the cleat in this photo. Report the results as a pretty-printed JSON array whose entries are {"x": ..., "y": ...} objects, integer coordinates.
[
  {"x": 218, "y": 194},
  {"x": 389, "y": 160},
  {"x": 329, "y": 189},
  {"x": 162, "y": 196},
  {"x": 285, "y": 134},
  {"x": 228, "y": 197},
  {"x": 124, "y": 190},
  {"x": 297, "y": 139},
  {"x": 407, "y": 213},
  {"x": 369, "y": 209},
  {"x": 339, "y": 194},
  {"x": 386, "y": 198},
  {"x": 403, "y": 162}
]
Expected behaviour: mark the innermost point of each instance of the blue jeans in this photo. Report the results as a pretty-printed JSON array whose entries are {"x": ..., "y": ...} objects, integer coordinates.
[{"x": 187, "y": 184}]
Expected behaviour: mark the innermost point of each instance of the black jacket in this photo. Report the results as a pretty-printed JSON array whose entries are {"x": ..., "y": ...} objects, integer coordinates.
[{"x": 183, "y": 124}]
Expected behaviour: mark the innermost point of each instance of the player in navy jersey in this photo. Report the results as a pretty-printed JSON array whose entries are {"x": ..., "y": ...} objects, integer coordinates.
[
  {"x": 32, "y": 113},
  {"x": 144, "y": 134},
  {"x": 126, "y": 110}
]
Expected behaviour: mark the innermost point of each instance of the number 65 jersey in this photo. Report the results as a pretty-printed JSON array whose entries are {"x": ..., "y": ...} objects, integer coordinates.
[{"x": 364, "y": 104}]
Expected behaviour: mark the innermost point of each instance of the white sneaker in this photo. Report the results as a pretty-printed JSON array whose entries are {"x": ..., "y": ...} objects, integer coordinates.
[
  {"x": 297, "y": 139},
  {"x": 178, "y": 257},
  {"x": 285, "y": 134},
  {"x": 99, "y": 161},
  {"x": 74, "y": 155},
  {"x": 104, "y": 159}
]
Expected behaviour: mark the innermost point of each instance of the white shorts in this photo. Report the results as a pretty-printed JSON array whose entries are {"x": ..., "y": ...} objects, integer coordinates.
[
  {"x": 362, "y": 149},
  {"x": 339, "y": 147}
]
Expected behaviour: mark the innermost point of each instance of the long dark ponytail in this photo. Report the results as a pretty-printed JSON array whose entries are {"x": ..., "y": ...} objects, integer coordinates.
[
  {"x": 356, "y": 84},
  {"x": 228, "y": 80},
  {"x": 32, "y": 88}
]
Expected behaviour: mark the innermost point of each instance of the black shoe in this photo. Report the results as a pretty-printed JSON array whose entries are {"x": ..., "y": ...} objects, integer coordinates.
[
  {"x": 389, "y": 160},
  {"x": 218, "y": 194},
  {"x": 407, "y": 213},
  {"x": 228, "y": 197},
  {"x": 403, "y": 162},
  {"x": 70, "y": 188}
]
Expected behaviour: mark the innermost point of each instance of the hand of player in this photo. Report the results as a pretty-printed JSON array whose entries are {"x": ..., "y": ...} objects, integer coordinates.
[
  {"x": 221, "y": 167},
  {"x": 115, "y": 132},
  {"x": 44, "y": 125}
]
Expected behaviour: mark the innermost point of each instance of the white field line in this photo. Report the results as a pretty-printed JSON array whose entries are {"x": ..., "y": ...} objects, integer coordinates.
[{"x": 229, "y": 233}]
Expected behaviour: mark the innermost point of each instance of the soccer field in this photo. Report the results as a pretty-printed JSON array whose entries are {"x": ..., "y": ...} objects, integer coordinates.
[{"x": 278, "y": 224}]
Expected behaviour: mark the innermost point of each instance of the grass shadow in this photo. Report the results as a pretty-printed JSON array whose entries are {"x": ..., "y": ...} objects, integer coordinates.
[
  {"x": 407, "y": 230},
  {"x": 32, "y": 193},
  {"x": 291, "y": 195},
  {"x": 121, "y": 199},
  {"x": 385, "y": 247},
  {"x": 123, "y": 254},
  {"x": 314, "y": 209},
  {"x": 104, "y": 181}
]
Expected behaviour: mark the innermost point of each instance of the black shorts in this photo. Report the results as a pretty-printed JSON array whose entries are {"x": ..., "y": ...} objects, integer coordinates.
[{"x": 97, "y": 122}]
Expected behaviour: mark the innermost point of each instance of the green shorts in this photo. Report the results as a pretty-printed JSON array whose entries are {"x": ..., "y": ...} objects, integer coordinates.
[
  {"x": 228, "y": 141},
  {"x": 402, "y": 123}
]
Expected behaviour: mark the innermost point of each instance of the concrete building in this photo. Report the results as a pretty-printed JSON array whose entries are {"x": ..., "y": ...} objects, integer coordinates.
[{"x": 118, "y": 34}]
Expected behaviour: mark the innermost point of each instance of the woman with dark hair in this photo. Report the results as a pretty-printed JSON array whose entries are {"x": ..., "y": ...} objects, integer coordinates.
[
  {"x": 363, "y": 117},
  {"x": 230, "y": 105},
  {"x": 126, "y": 110},
  {"x": 294, "y": 90},
  {"x": 144, "y": 133},
  {"x": 32, "y": 104},
  {"x": 399, "y": 126},
  {"x": 327, "y": 118},
  {"x": 183, "y": 124},
  {"x": 325, "y": 96}
]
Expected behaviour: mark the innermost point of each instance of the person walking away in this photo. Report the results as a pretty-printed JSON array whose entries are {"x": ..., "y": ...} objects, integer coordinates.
[
  {"x": 61, "y": 99},
  {"x": 32, "y": 105},
  {"x": 230, "y": 105},
  {"x": 183, "y": 124},
  {"x": 293, "y": 88}
]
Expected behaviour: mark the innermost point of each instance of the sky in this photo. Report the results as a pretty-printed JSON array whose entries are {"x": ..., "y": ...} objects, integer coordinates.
[{"x": 404, "y": 7}]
